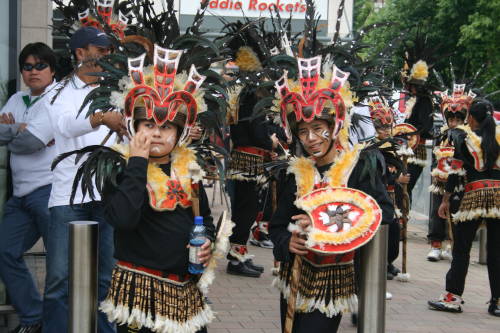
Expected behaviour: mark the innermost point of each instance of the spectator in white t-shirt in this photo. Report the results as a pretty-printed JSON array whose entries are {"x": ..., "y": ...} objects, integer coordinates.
[
  {"x": 26, "y": 217},
  {"x": 72, "y": 131}
]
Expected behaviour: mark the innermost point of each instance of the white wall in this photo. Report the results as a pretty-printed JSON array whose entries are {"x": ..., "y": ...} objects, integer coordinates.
[{"x": 35, "y": 18}]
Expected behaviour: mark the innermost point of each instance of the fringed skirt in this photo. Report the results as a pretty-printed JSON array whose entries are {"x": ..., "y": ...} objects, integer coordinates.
[
  {"x": 246, "y": 165},
  {"x": 481, "y": 200},
  {"x": 420, "y": 157},
  {"x": 331, "y": 289},
  {"x": 437, "y": 187},
  {"x": 139, "y": 299}
]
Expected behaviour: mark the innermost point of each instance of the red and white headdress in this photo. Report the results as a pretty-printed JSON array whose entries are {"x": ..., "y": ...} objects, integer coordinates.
[
  {"x": 161, "y": 90},
  {"x": 308, "y": 97},
  {"x": 456, "y": 103},
  {"x": 380, "y": 112},
  {"x": 105, "y": 11}
]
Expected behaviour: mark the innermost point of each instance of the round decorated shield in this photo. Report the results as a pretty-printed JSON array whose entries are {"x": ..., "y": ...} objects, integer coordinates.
[
  {"x": 444, "y": 162},
  {"x": 343, "y": 219},
  {"x": 404, "y": 128}
]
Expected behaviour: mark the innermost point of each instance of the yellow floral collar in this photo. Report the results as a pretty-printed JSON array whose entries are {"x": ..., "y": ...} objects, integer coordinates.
[
  {"x": 307, "y": 176},
  {"x": 166, "y": 192}
]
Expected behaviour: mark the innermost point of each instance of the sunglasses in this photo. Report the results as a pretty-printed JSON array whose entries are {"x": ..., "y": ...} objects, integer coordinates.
[{"x": 38, "y": 66}]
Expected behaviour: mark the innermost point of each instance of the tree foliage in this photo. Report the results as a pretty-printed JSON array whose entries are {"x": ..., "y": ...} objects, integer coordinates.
[{"x": 466, "y": 31}]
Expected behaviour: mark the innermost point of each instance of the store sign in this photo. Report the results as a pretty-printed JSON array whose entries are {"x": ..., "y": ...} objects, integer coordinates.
[{"x": 255, "y": 8}]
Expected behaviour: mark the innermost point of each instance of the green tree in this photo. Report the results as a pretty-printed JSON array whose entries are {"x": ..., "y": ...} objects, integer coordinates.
[{"x": 464, "y": 31}]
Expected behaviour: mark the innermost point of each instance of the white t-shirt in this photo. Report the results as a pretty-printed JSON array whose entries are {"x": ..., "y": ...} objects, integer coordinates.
[
  {"x": 71, "y": 132},
  {"x": 30, "y": 171}
]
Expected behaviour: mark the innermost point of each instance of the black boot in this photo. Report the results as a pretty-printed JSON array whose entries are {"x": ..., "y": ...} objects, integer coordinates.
[
  {"x": 494, "y": 308},
  {"x": 255, "y": 267},
  {"x": 242, "y": 269},
  {"x": 240, "y": 253}
]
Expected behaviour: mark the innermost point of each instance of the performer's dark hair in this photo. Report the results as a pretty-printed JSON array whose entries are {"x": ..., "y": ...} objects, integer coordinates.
[
  {"x": 482, "y": 111},
  {"x": 40, "y": 51}
]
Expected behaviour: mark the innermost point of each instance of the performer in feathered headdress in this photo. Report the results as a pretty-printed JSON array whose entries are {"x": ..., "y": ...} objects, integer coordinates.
[
  {"x": 419, "y": 106},
  {"x": 383, "y": 121},
  {"x": 333, "y": 195},
  {"x": 151, "y": 187},
  {"x": 255, "y": 139},
  {"x": 476, "y": 156},
  {"x": 454, "y": 108}
]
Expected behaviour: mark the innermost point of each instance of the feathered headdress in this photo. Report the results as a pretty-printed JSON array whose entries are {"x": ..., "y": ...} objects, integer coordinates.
[
  {"x": 111, "y": 16},
  {"x": 312, "y": 95},
  {"x": 117, "y": 22},
  {"x": 381, "y": 113},
  {"x": 330, "y": 79},
  {"x": 172, "y": 82},
  {"x": 458, "y": 103}
]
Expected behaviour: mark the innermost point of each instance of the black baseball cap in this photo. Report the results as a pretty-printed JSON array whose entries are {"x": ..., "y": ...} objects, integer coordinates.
[{"x": 88, "y": 35}]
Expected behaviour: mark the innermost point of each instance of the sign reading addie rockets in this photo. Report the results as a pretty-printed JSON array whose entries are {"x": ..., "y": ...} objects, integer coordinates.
[{"x": 255, "y": 8}]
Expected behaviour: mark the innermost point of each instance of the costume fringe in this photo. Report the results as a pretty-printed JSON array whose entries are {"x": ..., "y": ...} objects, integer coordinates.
[
  {"x": 329, "y": 289},
  {"x": 239, "y": 256},
  {"x": 221, "y": 248},
  {"x": 143, "y": 300},
  {"x": 405, "y": 151},
  {"x": 420, "y": 157},
  {"x": 480, "y": 203},
  {"x": 245, "y": 166},
  {"x": 437, "y": 187}
]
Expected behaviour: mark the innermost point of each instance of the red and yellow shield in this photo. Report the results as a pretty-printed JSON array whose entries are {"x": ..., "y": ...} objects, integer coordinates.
[{"x": 343, "y": 219}]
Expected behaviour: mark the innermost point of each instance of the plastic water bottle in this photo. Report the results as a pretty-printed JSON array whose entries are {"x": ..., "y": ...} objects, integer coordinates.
[{"x": 197, "y": 238}]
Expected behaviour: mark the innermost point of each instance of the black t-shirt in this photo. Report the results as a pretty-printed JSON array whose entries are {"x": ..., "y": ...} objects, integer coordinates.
[{"x": 144, "y": 236}]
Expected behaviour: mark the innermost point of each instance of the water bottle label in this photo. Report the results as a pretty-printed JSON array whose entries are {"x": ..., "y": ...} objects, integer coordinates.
[{"x": 193, "y": 254}]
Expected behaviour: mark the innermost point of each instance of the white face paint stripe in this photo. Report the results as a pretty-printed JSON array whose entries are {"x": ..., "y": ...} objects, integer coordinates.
[{"x": 171, "y": 139}]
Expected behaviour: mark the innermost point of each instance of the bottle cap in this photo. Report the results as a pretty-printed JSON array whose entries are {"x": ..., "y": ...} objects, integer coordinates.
[{"x": 198, "y": 220}]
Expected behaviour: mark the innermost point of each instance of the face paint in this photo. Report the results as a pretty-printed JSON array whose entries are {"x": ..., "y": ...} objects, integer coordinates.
[
  {"x": 155, "y": 149},
  {"x": 325, "y": 134},
  {"x": 171, "y": 139}
]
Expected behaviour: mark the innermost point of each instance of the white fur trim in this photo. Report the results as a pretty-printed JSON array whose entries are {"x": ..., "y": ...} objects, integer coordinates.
[
  {"x": 417, "y": 161},
  {"x": 476, "y": 213},
  {"x": 405, "y": 151},
  {"x": 221, "y": 248},
  {"x": 403, "y": 277},
  {"x": 238, "y": 176},
  {"x": 239, "y": 256},
  {"x": 306, "y": 305},
  {"x": 435, "y": 189},
  {"x": 161, "y": 324}
]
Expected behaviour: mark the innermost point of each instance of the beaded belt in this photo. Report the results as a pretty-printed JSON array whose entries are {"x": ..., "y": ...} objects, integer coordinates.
[
  {"x": 329, "y": 259},
  {"x": 485, "y": 183},
  {"x": 252, "y": 150},
  {"x": 155, "y": 272}
]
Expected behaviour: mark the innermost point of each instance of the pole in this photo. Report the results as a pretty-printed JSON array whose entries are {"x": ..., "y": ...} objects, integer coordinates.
[
  {"x": 83, "y": 263},
  {"x": 373, "y": 270},
  {"x": 482, "y": 245}
]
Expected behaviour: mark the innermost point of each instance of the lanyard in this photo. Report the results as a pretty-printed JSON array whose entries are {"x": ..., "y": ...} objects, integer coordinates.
[{"x": 28, "y": 102}]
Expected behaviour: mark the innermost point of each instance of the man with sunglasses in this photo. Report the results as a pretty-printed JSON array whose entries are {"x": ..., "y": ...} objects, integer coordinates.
[{"x": 26, "y": 215}]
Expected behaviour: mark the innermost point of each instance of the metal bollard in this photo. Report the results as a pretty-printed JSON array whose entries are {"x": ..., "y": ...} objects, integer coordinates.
[
  {"x": 373, "y": 270},
  {"x": 482, "y": 245},
  {"x": 83, "y": 263}
]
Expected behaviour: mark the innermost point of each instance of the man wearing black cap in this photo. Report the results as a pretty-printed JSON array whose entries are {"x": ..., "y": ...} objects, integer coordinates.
[{"x": 73, "y": 130}]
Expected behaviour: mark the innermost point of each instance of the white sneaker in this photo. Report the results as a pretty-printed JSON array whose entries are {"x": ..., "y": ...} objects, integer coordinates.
[
  {"x": 446, "y": 254},
  {"x": 434, "y": 254},
  {"x": 388, "y": 296}
]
